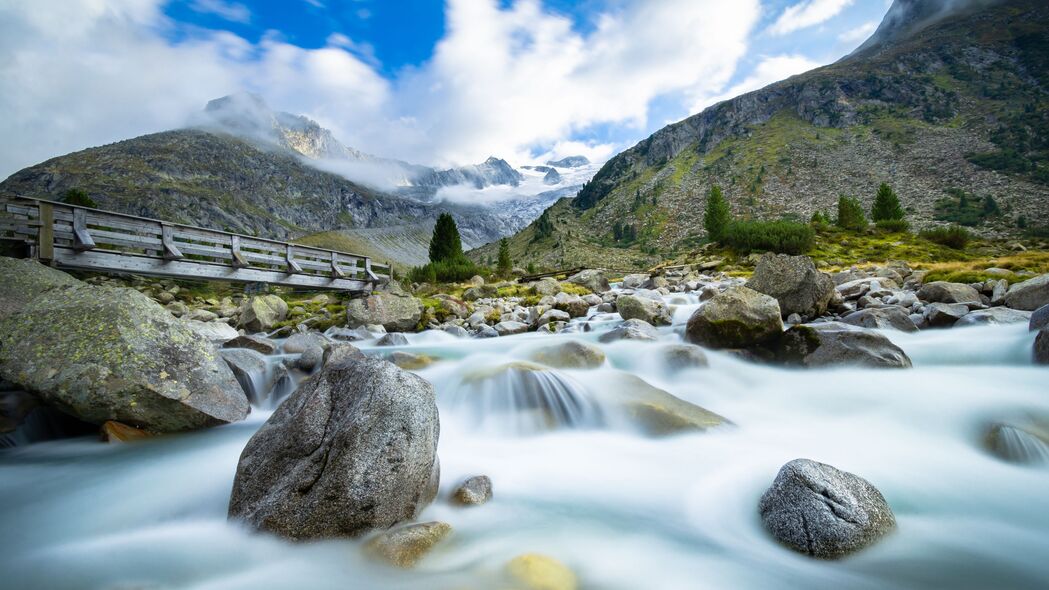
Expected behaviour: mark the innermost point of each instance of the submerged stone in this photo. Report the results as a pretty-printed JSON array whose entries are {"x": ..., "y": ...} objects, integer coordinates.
[
  {"x": 405, "y": 546},
  {"x": 539, "y": 572},
  {"x": 474, "y": 491}
]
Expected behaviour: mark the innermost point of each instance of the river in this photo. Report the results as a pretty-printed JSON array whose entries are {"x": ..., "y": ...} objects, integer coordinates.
[{"x": 623, "y": 509}]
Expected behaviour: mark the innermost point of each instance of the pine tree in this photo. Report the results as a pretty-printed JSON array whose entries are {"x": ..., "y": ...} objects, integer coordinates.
[
  {"x": 505, "y": 265},
  {"x": 446, "y": 243},
  {"x": 718, "y": 215},
  {"x": 850, "y": 214},
  {"x": 886, "y": 205}
]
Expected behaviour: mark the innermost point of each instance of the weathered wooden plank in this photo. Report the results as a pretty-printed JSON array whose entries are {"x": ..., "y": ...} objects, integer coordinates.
[
  {"x": 289, "y": 260},
  {"x": 129, "y": 263},
  {"x": 46, "y": 236},
  {"x": 167, "y": 240},
  {"x": 234, "y": 247}
]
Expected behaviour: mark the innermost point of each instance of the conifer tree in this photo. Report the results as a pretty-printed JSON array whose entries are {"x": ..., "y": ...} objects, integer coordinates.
[
  {"x": 850, "y": 214},
  {"x": 717, "y": 215},
  {"x": 505, "y": 265},
  {"x": 886, "y": 205},
  {"x": 446, "y": 243}
]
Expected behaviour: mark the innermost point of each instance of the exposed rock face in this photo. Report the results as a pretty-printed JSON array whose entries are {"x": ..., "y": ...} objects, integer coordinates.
[
  {"x": 354, "y": 449},
  {"x": 944, "y": 292},
  {"x": 794, "y": 282},
  {"x": 25, "y": 280},
  {"x": 835, "y": 343},
  {"x": 631, "y": 330},
  {"x": 395, "y": 312},
  {"x": 1029, "y": 295},
  {"x": 643, "y": 308},
  {"x": 823, "y": 512},
  {"x": 261, "y": 313},
  {"x": 104, "y": 353},
  {"x": 405, "y": 546},
  {"x": 570, "y": 355},
  {"x": 474, "y": 491},
  {"x": 594, "y": 280},
  {"x": 736, "y": 318},
  {"x": 882, "y": 318}
]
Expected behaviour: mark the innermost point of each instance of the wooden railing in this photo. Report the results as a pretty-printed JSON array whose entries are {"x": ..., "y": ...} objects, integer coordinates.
[{"x": 83, "y": 238}]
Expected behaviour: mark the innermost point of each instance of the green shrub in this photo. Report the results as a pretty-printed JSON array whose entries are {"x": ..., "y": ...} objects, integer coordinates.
[
  {"x": 78, "y": 197},
  {"x": 965, "y": 208},
  {"x": 783, "y": 237},
  {"x": 893, "y": 225},
  {"x": 717, "y": 216},
  {"x": 850, "y": 214},
  {"x": 820, "y": 219},
  {"x": 445, "y": 271},
  {"x": 953, "y": 236}
]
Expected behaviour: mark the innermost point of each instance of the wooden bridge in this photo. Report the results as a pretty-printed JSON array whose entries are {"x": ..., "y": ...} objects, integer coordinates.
[{"x": 82, "y": 238}]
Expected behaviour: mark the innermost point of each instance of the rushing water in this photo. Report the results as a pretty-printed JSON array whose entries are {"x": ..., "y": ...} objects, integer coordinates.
[{"x": 584, "y": 485}]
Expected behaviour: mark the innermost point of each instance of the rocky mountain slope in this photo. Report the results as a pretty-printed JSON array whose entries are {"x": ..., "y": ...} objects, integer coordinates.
[{"x": 945, "y": 95}]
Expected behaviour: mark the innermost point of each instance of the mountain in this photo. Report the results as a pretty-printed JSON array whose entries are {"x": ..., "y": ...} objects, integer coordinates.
[
  {"x": 569, "y": 162},
  {"x": 945, "y": 96}
]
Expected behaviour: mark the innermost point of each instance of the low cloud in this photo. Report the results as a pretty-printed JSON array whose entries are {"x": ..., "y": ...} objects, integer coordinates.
[{"x": 807, "y": 14}]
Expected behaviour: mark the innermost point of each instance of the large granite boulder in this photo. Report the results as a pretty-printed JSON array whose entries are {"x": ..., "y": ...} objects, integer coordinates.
[
  {"x": 882, "y": 318},
  {"x": 653, "y": 311},
  {"x": 634, "y": 329},
  {"x": 546, "y": 287},
  {"x": 823, "y": 512},
  {"x": 1041, "y": 347},
  {"x": 944, "y": 292},
  {"x": 994, "y": 315},
  {"x": 572, "y": 354},
  {"x": 794, "y": 282},
  {"x": 354, "y": 449},
  {"x": 736, "y": 318},
  {"x": 944, "y": 315},
  {"x": 1039, "y": 319},
  {"x": 594, "y": 280},
  {"x": 1030, "y": 294},
  {"x": 25, "y": 280},
  {"x": 835, "y": 343},
  {"x": 396, "y": 312},
  {"x": 262, "y": 312},
  {"x": 105, "y": 353}
]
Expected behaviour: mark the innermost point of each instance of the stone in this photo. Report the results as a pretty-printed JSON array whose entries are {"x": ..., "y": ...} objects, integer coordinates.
[
  {"x": 395, "y": 312},
  {"x": 553, "y": 315},
  {"x": 944, "y": 315},
  {"x": 1039, "y": 319},
  {"x": 201, "y": 315},
  {"x": 405, "y": 546},
  {"x": 393, "y": 339},
  {"x": 994, "y": 316},
  {"x": 944, "y": 292},
  {"x": 341, "y": 352},
  {"x": 999, "y": 291},
  {"x": 823, "y": 512},
  {"x": 574, "y": 305},
  {"x": 262, "y": 312},
  {"x": 736, "y": 318},
  {"x": 1041, "y": 347},
  {"x": 457, "y": 331},
  {"x": 509, "y": 328},
  {"x": 15, "y": 407},
  {"x": 177, "y": 309},
  {"x": 547, "y": 286},
  {"x": 117, "y": 432},
  {"x": 216, "y": 333},
  {"x": 254, "y": 342},
  {"x": 480, "y": 292},
  {"x": 829, "y": 344},
  {"x": 347, "y": 335},
  {"x": 1030, "y": 294},
  {"x": 25, "y": 280},
  {"x": 303, "y": 341},
  {"x": 794, "y": 282},
  {"x": 475, "y": 281},
  {"x": 594, "y": 280},
  {"x": 882, "y": 318},
  {"x": 110, "y": 353},
  {"x": 652, "y": 311},
  {"x": 656, "y": 412},
  {"x": 486, "y": 332},
  {"x": 474, "y": 491},
  {"x": 353, "y": 449},
  {"x": 310, "y": 359},
  {"x": 1024, "y": 441},
  {"x": 634, "y": 281},
  {"x": 633, "y": 329},
  {"x": 680, "y": 357},
  {"x": 410, "y": 361},
  {"x": 572, "y": 354},
  {"x": 539, "y": 572}
]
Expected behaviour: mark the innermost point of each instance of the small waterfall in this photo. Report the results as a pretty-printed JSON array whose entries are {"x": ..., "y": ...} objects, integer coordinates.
[
  {"x": 1019, "y": 446},
  {"x": 266, "y": 380},
  {"x": 523, "y": 398}
]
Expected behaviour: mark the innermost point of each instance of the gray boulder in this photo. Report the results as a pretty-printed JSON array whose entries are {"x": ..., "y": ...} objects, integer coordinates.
[
  {"x": 303, "y": 341},
  {"x": 105, "y": 353},
  {"x": 647, "y": 309},
  {"x": 1041, "y": 347},
  {"x": 553, "y": 315},
  {"x": 1039, "y": 319},
  {"x": 457, "y": 331},
  {"x": 217, "y": 333},
  {"x": 25, "y": 280},
  {"x": 633, "y": 329},
  {"x": 572, "y": 354},
  {"x": 480, "y": 292},
  {"x": 823, "y": 512},
  {"x": 634, "y": 281},
  {"x": 736, "y": 318},
  {"x": 679, "y": 357},
  {"x": 1030, "y": 294},
  {"x": 993, "y": 315},
  {"x": 882, "y": 318},
  {"x": 354, "y": 449},
  {"x": 834, "y": 343},
  {"x": 510, "y": 328},
  {"x": 262, "y": 312},
  {"x": 406, "y": 545},
  {"x": 944, "y": 315},
  {"x": 474, "y": 491},
  {"x": 310, "y": 358},
  {"x": 794, "y": 282},
  {"x": 259, "y": 344},
  {"x": 396, "y": 312},
  {"x": 393, "y": 339},
  {"x": 573, "y": 305},
  {"x": 547, "y": 286},
  {"x": 1023, "y": 441},
  {"x": 594, "y": 280},
  {"x": 486, "y": 332},
  {"x": 347, "y": 335},
  {"x": 944, "y": 292}
]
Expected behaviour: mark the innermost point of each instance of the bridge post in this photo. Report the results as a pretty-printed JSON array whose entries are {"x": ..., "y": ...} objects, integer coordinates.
[{"x": 46, "y": 234}]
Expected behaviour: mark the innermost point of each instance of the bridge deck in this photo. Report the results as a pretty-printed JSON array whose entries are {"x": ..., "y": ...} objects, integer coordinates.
[{"x": 82, "y": 238}]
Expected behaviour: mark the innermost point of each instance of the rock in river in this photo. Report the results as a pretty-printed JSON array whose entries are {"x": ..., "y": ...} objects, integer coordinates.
[
  {"x": 736, "y": 318},
  {"x": 474, "y": 491},
  {"x": 882, "y": 318},
  {"x": 591, "y": 279},
  {"x": 105, "y": 353},
  {"x": 823, "y": 512},
  {"x": 834, "y": 343},
  {"x": 1030, "y": 294},
  {"x": 354, "y": 449},
  {"x": 394, "y": 311},
  {"x": 944, "y": 292},
  {"x": 572, "y": 354},
  {"x": 261, "y": 313},
  {"x": 653, "y": 311},
  {"x": 794, "y": 282},
  {"x": 631, "y": 330},
  {"x": 406, "y": 545}
]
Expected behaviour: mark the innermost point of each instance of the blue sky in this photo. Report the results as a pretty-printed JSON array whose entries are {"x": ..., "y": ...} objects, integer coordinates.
[{"x": 423, "y": 80}]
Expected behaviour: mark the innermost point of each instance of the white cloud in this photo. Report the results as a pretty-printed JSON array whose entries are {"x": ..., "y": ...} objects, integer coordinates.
[
  {"x": 860, "y": 33},
  {"x": 231, "y": 11},
  {"x": 806, "y": 14},
  {"x": 505, "y": 81},
  {"x": 769, "y": 70}
]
